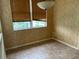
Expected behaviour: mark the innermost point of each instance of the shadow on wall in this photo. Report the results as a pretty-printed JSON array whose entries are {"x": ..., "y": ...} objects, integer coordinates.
[{"x": 66, "y": 17}]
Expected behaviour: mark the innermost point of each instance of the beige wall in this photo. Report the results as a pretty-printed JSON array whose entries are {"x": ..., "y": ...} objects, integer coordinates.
[
  {"x": 0, "y": 23},
  {"x": 0, "y": 27},
  {"x": 66, "y": 17},
  {"x": 16, "y": 38},
  {"x": 6, "y": 22},
  {"x": 26, "y": 36}
]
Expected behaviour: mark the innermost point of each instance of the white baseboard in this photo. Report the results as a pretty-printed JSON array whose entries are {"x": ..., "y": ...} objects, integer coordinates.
[
  {"x": 66, "y": 43},
  {"x": 30, "y": 43}
]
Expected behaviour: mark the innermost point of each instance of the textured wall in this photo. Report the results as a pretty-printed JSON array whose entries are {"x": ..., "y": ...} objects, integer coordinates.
[
  {"x": 27, "y": 36},
  {"x": 0, "y": 27},
  {"x": 6, "y": 21},
  {"x": 66, "y": 17}
]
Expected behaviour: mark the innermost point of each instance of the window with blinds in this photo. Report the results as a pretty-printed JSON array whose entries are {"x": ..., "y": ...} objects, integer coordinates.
[
  {"x": 20, "y": 10},
  {"x": 38, "y": 14},
  {"x": 23, "y": 10}
]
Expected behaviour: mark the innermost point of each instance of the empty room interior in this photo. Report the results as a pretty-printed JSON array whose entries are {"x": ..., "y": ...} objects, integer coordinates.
[{"x": 39, "y": 29}]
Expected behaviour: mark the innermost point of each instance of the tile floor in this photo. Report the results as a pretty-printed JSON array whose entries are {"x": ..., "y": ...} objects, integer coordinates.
[{"x": 50, "y": 49}]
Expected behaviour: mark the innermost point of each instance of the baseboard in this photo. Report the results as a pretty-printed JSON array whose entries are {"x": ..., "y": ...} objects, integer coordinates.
[
  {"x": 34, "y": 42},
  {"x": 66, "y": 43},
  {"x": 30, "y": 43}
]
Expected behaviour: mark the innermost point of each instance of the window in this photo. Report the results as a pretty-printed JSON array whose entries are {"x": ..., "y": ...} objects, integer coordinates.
[
  {"x": 20, "y": 10},
  {"x": 27, "y": 15},
  {"x": 21, "y": 25},
  {"x": 38, "y": 24},
  {"x": 26, "y": 25}
]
